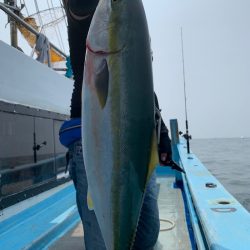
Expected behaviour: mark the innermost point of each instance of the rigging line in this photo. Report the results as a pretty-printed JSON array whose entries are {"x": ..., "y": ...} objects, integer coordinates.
[
  {"x": 56, "y": 27},
  {"x": 26, "y": 8},
  {"x": 50, "y": 12},
  {"x": 39, "y": 17},
  {"x": 60, "y": 35},
  {"x": 185, "y": 93},
  {"x": 51, "y": 15},
  {"x": 64, "y": 13},
  {"x": 23, "y": 1}
]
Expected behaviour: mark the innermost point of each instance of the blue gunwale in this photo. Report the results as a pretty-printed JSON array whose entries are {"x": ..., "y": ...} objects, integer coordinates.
[{"x": 224, "y": 221}]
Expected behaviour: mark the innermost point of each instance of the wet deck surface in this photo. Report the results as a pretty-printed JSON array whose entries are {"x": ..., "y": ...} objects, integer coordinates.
[{"x": 173, "y": 235}]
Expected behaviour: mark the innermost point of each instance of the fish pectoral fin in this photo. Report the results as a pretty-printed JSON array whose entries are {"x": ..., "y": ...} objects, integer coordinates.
[
  {"x": 90, "y": 202},
  {"x": 154, "y": 157},
  {"x": 102, "y": 83}
]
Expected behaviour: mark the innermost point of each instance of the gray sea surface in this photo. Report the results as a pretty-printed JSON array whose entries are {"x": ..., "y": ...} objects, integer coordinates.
[{"x": 229, "y": 161}]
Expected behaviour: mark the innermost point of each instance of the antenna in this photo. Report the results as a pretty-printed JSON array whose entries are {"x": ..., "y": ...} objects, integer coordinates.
[{"x": 187, "y": 137}]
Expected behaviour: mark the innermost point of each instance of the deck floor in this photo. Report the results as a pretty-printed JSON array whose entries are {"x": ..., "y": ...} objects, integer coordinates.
[
  {"x": 71, "y": 240},
  {"x": 171, "y": 208}
]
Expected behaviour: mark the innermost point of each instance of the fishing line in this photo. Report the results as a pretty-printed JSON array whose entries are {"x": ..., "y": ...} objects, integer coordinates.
[{"x": 185, "y": 94}]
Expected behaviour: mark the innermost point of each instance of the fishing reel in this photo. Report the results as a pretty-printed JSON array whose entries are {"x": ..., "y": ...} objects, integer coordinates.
[
  {"x": 38, "y": 146},
  {"x": 185, "y": 136}
]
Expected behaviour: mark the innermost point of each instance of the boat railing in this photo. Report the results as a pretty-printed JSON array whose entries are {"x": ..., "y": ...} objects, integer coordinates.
[
  {"x": 8, "y": 11},
  {"x": 218, "y": 220}
]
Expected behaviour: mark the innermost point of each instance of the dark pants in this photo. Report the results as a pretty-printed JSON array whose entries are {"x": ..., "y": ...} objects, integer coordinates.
[{"x": 148, "y": 226}]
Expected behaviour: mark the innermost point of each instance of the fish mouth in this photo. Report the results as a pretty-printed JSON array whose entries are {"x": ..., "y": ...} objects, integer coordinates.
[{"x": 103, "y": 52}]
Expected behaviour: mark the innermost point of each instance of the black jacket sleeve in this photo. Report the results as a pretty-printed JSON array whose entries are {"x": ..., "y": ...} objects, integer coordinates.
[
  {"x": 164, "y": 145},
  {"x": 79, "y": 16}
]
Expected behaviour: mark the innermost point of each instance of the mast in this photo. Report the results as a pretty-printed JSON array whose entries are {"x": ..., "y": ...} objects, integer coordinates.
[{"x": 13, "y": 26}]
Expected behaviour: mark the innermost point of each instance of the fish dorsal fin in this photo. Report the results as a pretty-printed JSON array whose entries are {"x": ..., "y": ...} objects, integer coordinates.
[{"x": 102, "y": 83}]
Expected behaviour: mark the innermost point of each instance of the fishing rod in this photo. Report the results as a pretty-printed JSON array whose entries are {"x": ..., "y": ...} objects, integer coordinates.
[{"x": 186, "y": 136}]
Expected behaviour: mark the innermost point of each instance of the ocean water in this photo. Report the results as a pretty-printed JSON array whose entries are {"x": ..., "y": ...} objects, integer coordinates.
[{"x": 229, "y": 161}]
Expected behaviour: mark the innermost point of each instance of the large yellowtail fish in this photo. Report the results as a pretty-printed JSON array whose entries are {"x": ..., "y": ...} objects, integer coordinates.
[{"x": 119, "y": 141}]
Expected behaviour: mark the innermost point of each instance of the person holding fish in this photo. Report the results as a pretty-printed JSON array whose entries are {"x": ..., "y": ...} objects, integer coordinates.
[{"x": 116, "y": 189}]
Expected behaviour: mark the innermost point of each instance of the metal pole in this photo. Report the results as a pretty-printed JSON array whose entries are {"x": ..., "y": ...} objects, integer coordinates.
[
  {"x": 13, "y": 29},
  {"x": 13, "y": 26},
  {"x": 34, "y": 148},
  {"x": 27, "y": 26}
]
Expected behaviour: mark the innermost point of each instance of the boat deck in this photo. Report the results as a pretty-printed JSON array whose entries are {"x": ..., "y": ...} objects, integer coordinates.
[
  {"x": 173, "y": 235},
  {"x": 50, "y": 220},
  {"x": 71, "y": 240}
]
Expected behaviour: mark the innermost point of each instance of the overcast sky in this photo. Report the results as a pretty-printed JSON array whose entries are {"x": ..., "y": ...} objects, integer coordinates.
[{"x": 217, "y": 60}]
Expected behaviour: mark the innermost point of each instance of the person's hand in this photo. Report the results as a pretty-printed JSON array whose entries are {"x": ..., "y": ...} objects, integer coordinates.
[{"x": 164, "y": 159}]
